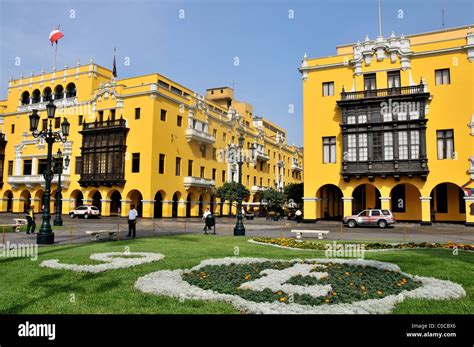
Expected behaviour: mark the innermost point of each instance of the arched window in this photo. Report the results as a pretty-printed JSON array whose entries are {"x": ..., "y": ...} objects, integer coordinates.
[
  {"x": 58, "y": 92},
  {"x": 70, "y": 90},
  {"x": 25, "y": 98},
  {"x": 47, "y": 94},
  {"x": 36, "y": 96}
]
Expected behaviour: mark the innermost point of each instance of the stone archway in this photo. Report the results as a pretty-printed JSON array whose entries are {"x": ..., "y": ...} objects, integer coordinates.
[
  {"x": 330, "y": 202},
  {"x": 365, "y": 196},
  {"x": 447, "y": 203},
  {"x": 174, "y": 207},
  {"x": 158, "y": 206},
  {"x": 115, "y": 203},
  {"x": 405, "y": 202}
]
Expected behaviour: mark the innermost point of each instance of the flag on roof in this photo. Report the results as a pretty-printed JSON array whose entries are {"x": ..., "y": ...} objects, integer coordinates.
[
  {"x": 55, "y": 35},
  {"x": 114, "y": 67}
]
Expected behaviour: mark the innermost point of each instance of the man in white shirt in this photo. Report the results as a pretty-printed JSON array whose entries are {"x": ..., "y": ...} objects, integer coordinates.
[
  {"x": 204, "y": 218},
  {"x": 132, "y": 221},
  {"x": 298, "y": 216}
]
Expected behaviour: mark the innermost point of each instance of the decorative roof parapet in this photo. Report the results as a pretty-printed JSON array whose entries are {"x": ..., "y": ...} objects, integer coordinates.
[{"x": 392, "y": 47}]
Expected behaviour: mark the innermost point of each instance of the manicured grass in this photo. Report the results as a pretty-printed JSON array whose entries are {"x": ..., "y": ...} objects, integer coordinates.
[{"x": 26, "y": 287}]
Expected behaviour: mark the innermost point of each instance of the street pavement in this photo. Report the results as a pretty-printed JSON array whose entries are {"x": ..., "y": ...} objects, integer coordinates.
[{"x": 74, "y": 230}]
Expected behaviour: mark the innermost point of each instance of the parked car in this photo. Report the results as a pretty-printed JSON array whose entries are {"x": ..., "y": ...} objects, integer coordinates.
[
  {"x": 85, "y": 211},
  {"x": 372, "y": 217}
]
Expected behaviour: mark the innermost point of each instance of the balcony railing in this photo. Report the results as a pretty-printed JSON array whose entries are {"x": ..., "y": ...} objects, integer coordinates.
[
  {"x": 394, "y": 168},
  {"x": 280, "y": 163},
  {"x": 199, "y": 136},
  {"x": 104, "y": 124},
  {"x": 261, "y": 156},
  {"x": 38, "y": 105},
  {"x": 256, "y": 189},
  {"x": 36, "y": 180},
  {"x": 296, "y": 167},
  {"x": 382, "y": 93},
  {"x": 198, "y": 182},
  {"x": 102, "y": 179}
]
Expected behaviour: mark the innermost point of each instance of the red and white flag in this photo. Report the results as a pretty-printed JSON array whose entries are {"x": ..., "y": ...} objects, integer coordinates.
[{"x": 54, "y": 36}]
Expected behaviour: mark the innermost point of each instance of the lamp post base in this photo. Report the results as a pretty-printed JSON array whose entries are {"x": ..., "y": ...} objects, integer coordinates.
[
  {"x": 45, "y": 239},
  {"x": 58, "y": 223},
  {"x": 239, "y": 231}
]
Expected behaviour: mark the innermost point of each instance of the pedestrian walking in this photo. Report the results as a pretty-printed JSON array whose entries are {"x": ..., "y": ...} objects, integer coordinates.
[
  {"x": 298, "y": 216},
  {"x": 204, "y": 218},
  {"x": 132, "y": 221},
  {"x": 30, "y": 218}
]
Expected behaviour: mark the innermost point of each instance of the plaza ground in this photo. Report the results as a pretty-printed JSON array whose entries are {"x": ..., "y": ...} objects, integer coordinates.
[
  {"x": 28, "y": 288},
  {"x": 74, "y": 230}
]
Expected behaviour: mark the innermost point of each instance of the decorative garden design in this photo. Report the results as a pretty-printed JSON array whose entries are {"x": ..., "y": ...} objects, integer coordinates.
[
  {"x": 256, "y": 285},
  {"x": 111, "y": 261}
]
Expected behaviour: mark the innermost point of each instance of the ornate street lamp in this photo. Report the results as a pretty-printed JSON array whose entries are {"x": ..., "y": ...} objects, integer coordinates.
[
  {"x": 46, "y": 235},
  {"x": 239, "y": 229},
  {"x": 59, "y": 167}
]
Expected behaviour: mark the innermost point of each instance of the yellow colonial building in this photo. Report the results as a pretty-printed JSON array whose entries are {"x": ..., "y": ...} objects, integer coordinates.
[
  {"x": 145, "y": 140},
  {"x": 389, "y": 122}
]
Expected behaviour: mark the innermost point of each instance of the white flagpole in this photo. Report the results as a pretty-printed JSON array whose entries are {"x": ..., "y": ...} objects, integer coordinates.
[{"x": 380, "y": 17}]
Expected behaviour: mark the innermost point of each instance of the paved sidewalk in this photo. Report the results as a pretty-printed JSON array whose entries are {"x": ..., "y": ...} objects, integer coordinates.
[{"x": 74, "y": 230}]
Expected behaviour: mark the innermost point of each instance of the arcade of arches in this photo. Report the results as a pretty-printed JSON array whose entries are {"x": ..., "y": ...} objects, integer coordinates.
[
  {"x": 115, "y": 202},
  {"x": 447, "y": 202}
]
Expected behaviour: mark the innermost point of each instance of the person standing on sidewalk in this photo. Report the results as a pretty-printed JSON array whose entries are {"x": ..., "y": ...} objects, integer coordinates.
[
  {"x": 132, "y": 221},
  {"x": 31, "y": 226}
]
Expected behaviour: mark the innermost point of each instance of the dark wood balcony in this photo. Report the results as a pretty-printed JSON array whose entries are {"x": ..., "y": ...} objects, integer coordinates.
[
  {"x": 383, "y": 93},
  {"x": 102, "y": 179},
  {"x": 104, "y": 125},
  {"x": 385, "y": 168}
]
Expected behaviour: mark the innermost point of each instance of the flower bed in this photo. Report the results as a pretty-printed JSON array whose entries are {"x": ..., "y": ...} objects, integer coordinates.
[
  {"x": 255, "y": 285},
  {"x": 112, "y": 260},
  {"x": 315, "y": 245}
]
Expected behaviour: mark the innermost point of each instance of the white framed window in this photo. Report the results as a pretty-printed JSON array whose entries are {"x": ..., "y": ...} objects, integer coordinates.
[
  {"x": 402, "y": 115},
  {"x": 351, "y": 119},
  {"x": 415, "y": 144},
  {"x": 445, "y": 142},
  {"x": 387, "y": 117},
  {"x": 362, "y": 119},
  {"x": 363, "y": 150},
  {"x": 442, "y": 76},
  {"x": 351, "y": 147},
  {"x": 402, "y": 145},
  {"x": 328, "y": 88},
  {"x": 329, "y": 150},
  {"x": 388, "y": 146}
]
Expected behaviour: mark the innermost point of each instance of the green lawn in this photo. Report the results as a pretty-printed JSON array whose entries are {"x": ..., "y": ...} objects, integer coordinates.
[{"x": 26, "y": 287}]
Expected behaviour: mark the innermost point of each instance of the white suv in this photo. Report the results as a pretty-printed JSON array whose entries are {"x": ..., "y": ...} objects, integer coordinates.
[{"x": 86, "y": 211}]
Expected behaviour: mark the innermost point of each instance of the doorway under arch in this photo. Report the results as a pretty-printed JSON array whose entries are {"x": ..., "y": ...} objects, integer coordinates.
[
  {"x": 96, "y": 200},
  {"x": 188, "y": 205},
  {"x": 158, "y": 206},
  {"x": 447, "y": 203},
  {"x": 331, "y": 206},
  {"x": 115, "y": 203},
  {"x": 365, "y": 196}
]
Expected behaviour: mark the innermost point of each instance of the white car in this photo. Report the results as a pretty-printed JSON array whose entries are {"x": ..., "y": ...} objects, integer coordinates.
[{"x": 86, "y": 211}]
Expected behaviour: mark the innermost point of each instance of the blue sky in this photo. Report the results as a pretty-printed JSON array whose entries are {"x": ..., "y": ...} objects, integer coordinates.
[{"x": 199, "y": 50}]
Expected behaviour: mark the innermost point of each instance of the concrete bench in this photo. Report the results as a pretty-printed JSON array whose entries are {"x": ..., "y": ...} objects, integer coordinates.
[
  {"x": 19, "y": 222},
  {"x": 299, "y": 233},
  {"x": 96, "y": 233}
]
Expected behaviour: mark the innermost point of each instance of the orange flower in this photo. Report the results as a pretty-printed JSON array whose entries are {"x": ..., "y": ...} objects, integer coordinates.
[
  {"x": 248, "y": 277},
  {"x": 362, "y": 287},
  {"x": 379, "y": 292},
  {"x": 334, "y": 293},
  {"x": 404, "y": 280},
  {"x": 279, "y": 293},
  {"x": 347, "y": 273},
  {"x": 282, "y": 299},
  {"x": 327, "y": 300}
]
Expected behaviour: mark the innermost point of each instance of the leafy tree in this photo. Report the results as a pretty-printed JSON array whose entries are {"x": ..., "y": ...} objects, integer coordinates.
[
  {"x": 295, "y": 191},
  {"x": 230, "y": 191},
  {"x": 275, "y": 198}
]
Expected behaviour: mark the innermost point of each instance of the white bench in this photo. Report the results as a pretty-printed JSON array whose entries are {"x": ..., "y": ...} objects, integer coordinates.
[
  {"x": 96, "y": 233},
  {"x": 19, "y": 222},
  {"x": 299, "y": 233}
]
